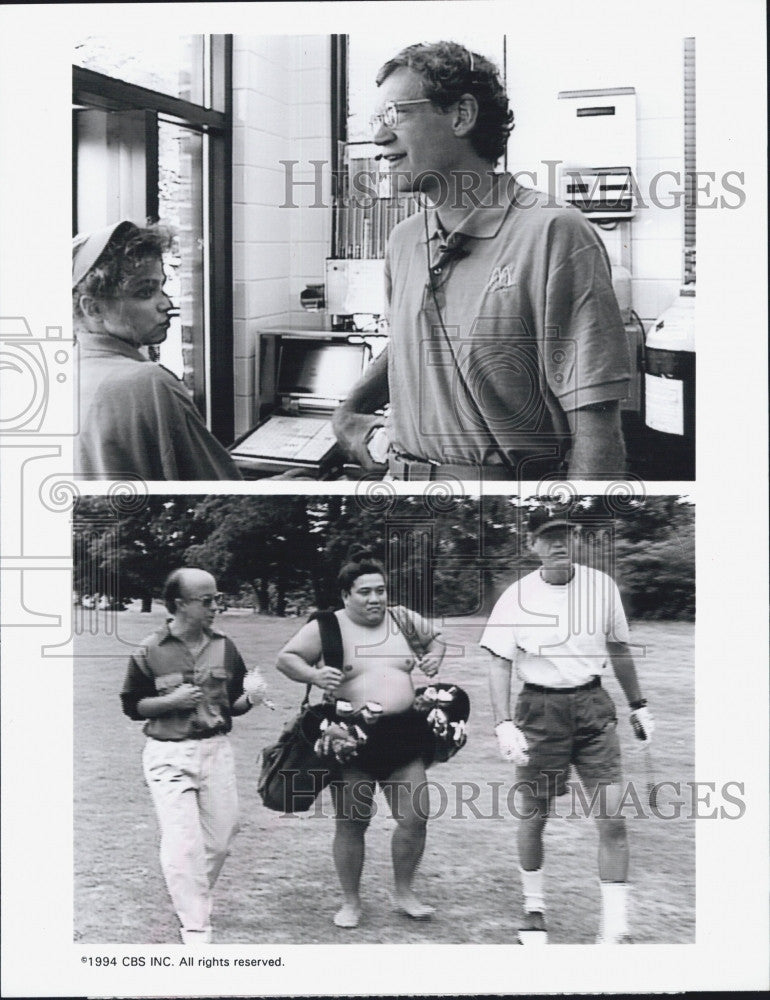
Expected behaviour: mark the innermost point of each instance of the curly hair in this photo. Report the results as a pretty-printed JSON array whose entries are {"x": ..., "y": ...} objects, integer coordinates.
[
  {"x": 360, "y": 562},
  {"x": 448, "y": 71},
  {"x": 125, "y": 253}
]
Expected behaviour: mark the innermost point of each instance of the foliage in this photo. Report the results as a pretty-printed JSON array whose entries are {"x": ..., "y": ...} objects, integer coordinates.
[
  {"x": 128, "y": 554},
  {"x": 444, "y": 555}
]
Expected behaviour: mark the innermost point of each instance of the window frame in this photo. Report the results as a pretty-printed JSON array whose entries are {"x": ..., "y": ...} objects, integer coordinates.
[{"x": 98, "y": 90}]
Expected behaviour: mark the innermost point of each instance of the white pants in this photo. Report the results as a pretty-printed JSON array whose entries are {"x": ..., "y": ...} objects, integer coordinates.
[{"x": 192, "y": 784}]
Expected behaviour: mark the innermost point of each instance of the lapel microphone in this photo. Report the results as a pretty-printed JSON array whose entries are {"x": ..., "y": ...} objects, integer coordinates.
[{"x": 454, "y": 249}]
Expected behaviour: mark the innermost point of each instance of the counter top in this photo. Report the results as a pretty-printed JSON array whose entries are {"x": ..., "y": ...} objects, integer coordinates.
[{"x": 298, "y": 324}]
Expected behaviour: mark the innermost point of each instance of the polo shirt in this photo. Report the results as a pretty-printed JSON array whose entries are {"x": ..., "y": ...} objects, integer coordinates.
[
  {"x": 137, "y": 420},
  {"x": 163, "y": 662},
  {"x": 531, "y": 331},
  {"x": 557, "y": 634}
]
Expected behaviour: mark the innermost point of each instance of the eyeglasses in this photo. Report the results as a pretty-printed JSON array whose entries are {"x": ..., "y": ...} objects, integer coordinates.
[
  {"x": 207, "y": 601},
  {"x": 389, "y": 114}
]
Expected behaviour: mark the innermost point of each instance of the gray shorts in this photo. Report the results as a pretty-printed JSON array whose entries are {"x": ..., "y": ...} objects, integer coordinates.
[{"x": 578, "y": 727}]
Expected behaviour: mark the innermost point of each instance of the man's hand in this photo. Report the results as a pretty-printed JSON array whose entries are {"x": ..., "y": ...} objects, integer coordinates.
[
  {"x": 352, "y": 431},
  {"x": 642, "y": 724},
  {"x": 186, "y": 696},
  {"x": 429, "y": 664},
  {"x": 513, "y": 745},
  {"x": 328, "y": 678},
  {"x": 356, "y": 418}
]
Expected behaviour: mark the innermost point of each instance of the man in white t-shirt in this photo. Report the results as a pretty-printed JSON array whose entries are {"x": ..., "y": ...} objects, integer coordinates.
[{"x": 560, "y": 625}]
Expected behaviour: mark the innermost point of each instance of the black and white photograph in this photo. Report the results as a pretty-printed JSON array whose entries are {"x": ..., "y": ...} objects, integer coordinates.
[
  {"x": 510, "y": 698},
  {"x": 381, "y": 256},
  {"x": 374, "y": 576}
]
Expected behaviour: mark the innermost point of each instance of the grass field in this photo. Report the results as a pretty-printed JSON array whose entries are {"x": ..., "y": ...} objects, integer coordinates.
[{"x": 279, "y": 886}]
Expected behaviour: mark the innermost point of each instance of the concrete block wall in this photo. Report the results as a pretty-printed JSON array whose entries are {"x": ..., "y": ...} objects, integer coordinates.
[{"x": 281, "y": 111}]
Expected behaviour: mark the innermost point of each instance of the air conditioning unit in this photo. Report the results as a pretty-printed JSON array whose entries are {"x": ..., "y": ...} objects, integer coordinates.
[{"x": 598, "y": 134}]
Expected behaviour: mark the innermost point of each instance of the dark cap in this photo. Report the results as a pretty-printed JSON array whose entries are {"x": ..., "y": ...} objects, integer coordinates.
[
  {"x": 87, "y": 248},
  {"x": 542, "y": 520},
  {"x": 554, "y": 524}
]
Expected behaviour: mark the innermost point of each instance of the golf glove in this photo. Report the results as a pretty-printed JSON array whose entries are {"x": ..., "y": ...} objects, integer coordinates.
[
  {"x": 642, "y": 724},
  {"x": 513, "y": 746},
  {"x": 254, "y": 686}
]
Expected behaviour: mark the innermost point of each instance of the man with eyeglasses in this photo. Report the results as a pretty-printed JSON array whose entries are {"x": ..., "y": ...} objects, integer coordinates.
[
  {"x": 507, "y": 355},
  {"x": 187, "y": 680}
]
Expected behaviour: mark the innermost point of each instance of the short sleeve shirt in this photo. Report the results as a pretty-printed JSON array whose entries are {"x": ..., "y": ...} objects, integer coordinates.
[
  {"x": 557, "y": 634},
  {"x": 531, "y": 330},
  {"x": 163, "y": 662},
  {"x": 137, "y": 420}
]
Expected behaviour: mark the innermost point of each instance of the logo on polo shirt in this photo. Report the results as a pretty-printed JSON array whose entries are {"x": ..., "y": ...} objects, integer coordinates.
[{"x": 501, "y": 277}]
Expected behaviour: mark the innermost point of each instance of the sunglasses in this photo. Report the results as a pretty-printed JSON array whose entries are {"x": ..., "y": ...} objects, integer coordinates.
[{"x": 207, "y": 601}]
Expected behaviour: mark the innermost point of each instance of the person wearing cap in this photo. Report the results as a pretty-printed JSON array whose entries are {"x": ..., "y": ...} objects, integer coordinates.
[
  {"x": 136, "y": 419},
  {"x": 377, "y": 666},
  {"x": 559, "y": 626},
  {"x": 507, "y": 356}
]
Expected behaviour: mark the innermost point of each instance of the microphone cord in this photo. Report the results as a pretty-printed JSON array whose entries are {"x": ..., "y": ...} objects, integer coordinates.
[{"x": 492, "y": 449}]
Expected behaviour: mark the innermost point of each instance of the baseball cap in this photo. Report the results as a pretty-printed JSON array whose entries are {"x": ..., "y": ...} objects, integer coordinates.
[
  {"x": 87, "y": 248},
  {"x": 541, "y": 521}
]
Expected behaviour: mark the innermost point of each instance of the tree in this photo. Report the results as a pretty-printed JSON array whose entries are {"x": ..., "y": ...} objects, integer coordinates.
[
  {"x": 445, "y": 555},
  {"x": 129, "y": 548},
  {"x": 264, "y": 541}
]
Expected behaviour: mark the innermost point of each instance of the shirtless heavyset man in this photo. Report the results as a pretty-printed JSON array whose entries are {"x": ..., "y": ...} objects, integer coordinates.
[{"x": 378, "y": 664}]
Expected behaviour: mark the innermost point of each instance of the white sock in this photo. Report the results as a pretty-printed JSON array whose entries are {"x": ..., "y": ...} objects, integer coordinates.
[
  {"x": 532, "y": 886},
  {"x": 614, "y": 899}
]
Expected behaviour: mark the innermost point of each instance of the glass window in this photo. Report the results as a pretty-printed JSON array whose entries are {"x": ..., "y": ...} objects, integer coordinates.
[
  {"x": 169, "y": 64},
  {"x": 180, "y": 205},
  {"x": 138, "y": 154}
]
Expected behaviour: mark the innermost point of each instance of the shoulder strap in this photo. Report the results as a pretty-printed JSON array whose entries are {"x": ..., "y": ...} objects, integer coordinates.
[
  {"x": 331, "y": 637},
  {"x": 405, "y": 622},
  {"x": 331, "y": 641}
]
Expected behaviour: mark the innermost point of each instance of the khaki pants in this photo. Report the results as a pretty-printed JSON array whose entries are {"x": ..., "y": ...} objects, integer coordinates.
[{"x": 192, "y": 784}]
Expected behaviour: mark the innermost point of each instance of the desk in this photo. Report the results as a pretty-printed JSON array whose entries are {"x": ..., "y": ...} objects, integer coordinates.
[{"x": 303, "y": 370}]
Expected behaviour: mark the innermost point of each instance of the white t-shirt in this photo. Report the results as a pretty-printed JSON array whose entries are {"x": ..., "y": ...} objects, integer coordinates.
[{"x": 557, "y": 634}]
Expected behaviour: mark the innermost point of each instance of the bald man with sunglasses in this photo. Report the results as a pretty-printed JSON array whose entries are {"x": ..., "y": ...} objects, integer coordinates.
[{"x": 186, "y": 681}]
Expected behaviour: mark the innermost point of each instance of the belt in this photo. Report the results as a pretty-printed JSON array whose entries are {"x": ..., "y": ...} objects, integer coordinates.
[
  {"x": 595, "y": 682},
  {"x": 205, "y": 734},
  {"x": 412, "y": 469}
]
